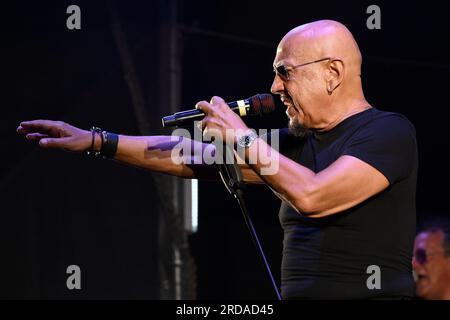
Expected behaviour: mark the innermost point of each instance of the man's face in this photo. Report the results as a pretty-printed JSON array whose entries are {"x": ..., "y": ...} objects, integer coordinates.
[
  {"x": 304, "y": 91},
  {"x": 431, "y": 265}
]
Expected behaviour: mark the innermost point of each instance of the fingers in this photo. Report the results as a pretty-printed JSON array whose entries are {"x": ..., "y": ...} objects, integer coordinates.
[
  {"x": 38, "y": 126},
  {"x": 204, "y": 106},
  {"x": 35, "y": 136},
  {"x": 208, "y": 109},
  {"x": 54, "y": 142},
  {"x": 216, "y": 103},
  {"x": 213, "y": 113},
  {"x": 210, "y": 127},
  {"x": 217, "y": 100},
  {"x": 217, "y": 118},
  {"x": 199, "y": 125},
  {"x": 21, "y": 130}
]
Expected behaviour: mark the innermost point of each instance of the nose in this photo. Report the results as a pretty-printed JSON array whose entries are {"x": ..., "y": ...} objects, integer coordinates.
[{"x": 277, "y": 85}]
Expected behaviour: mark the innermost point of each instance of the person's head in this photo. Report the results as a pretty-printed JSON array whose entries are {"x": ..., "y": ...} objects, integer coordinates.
[
  {"x": 431, "y": 262},
  {"x": 316, "y": 94}
]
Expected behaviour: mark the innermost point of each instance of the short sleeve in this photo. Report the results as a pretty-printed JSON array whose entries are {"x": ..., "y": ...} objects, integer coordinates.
[{"x": 388, "y": 144}]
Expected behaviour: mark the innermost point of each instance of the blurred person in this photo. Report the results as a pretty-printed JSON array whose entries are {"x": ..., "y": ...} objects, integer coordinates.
[{"x": 431, "y": 262}]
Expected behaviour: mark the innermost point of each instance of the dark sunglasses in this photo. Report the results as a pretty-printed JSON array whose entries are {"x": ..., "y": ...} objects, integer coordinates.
[
  {"x": 421, "y": 256},
  {"x": 283, "y": 71}
]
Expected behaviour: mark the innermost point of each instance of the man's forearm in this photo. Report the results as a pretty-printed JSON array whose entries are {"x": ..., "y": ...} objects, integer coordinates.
[
  {"x": 149, "y": 152},
  {"x": 155, "y": 153}
]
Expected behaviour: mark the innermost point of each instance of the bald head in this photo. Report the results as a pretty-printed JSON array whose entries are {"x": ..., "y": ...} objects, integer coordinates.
[
  {"x": 318, "y": 74},
  {"x": 324, "y": 38}
]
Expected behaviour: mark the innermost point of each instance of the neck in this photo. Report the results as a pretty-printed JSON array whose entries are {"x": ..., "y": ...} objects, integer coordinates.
[{"x": 341, "y": 110}]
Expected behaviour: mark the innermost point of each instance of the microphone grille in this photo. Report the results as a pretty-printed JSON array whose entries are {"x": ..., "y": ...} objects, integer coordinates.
[{"x": 262, "y": 103}]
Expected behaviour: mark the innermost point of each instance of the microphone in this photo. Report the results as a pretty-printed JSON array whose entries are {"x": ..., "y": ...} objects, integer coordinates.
[{"x": 258, "y": 105}]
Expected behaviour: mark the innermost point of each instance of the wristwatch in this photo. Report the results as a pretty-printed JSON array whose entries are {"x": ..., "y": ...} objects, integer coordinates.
[{"x": 247, "y": 139}]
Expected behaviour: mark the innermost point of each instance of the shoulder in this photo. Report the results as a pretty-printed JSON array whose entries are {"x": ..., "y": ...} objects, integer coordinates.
[
  {"x": 390, "y": 121},
  {"x": 389, "y": 126},
  {"x": 387, "y": 141}
]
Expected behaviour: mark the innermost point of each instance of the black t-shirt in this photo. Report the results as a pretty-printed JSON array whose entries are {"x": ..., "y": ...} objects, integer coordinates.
[{"x": 330, "y": 257}]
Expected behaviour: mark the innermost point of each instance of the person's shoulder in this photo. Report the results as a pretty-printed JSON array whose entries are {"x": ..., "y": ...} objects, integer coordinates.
[
  {"x": 387, "y": 124},
  {"x": 391, "y": 119}
]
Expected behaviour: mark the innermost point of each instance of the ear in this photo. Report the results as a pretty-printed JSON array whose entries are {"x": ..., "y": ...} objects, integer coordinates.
[{"x": 334, "y": 75}]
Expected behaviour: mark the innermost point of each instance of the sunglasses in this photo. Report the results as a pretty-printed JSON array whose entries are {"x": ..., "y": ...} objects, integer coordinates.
[
  {"x": 283, "y": 71},
  {"x": 421, "y": 256}
]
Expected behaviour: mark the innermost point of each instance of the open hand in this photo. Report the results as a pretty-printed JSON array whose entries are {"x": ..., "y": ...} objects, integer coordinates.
[{"x": 56, "y": 134}]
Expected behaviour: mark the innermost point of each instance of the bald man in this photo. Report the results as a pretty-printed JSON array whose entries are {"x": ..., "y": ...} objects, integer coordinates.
[{"x": 346, "y": 177}]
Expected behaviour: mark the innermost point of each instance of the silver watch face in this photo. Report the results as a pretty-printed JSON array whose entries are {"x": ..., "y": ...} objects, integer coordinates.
[{"x": 246, "y": 140}]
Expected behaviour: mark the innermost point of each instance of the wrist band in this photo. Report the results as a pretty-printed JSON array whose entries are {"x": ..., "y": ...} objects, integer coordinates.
[{"x": 109, "y": 145}]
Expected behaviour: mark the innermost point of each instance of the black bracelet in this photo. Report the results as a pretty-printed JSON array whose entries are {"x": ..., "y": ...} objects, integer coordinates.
[
  {"x": 109, "y": 147},
  {"x": 109, "y": 142},
  {"x": 91, "y": 149}
]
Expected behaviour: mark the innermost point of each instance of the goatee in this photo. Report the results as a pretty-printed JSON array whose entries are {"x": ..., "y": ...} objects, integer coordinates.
[{"x": 297, "y": 129}]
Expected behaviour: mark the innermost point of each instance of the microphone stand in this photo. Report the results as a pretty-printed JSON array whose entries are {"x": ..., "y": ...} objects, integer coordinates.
[{"x": 232, "y": 178}]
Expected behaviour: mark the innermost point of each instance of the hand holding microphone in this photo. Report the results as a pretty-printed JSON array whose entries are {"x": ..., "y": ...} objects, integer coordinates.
[
  {"x": 222, "y": 120},
  {"x": 258, "y": 105}
]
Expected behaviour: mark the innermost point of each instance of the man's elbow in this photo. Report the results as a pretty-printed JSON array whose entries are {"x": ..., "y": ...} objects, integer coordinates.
[
  {"x": 307, "y": 202},
  {"x": 304, "y": 206}
]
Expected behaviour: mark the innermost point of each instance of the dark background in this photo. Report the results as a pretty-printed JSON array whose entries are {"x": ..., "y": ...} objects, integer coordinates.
[{"x": 59, "y": 209}]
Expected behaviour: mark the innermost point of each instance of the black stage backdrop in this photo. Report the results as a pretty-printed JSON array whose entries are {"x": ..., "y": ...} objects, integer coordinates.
[{"x": 60, "y": 209}]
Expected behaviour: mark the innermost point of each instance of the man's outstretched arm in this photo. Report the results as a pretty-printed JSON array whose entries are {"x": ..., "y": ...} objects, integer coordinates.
[{"x": 150, "y": 152}]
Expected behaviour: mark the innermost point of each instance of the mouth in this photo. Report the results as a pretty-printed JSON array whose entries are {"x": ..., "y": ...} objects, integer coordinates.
[
  {"x": 291, "y": 110},
  {"x": 421, "y": 278},
  {"x": 286, "y": 100}
]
